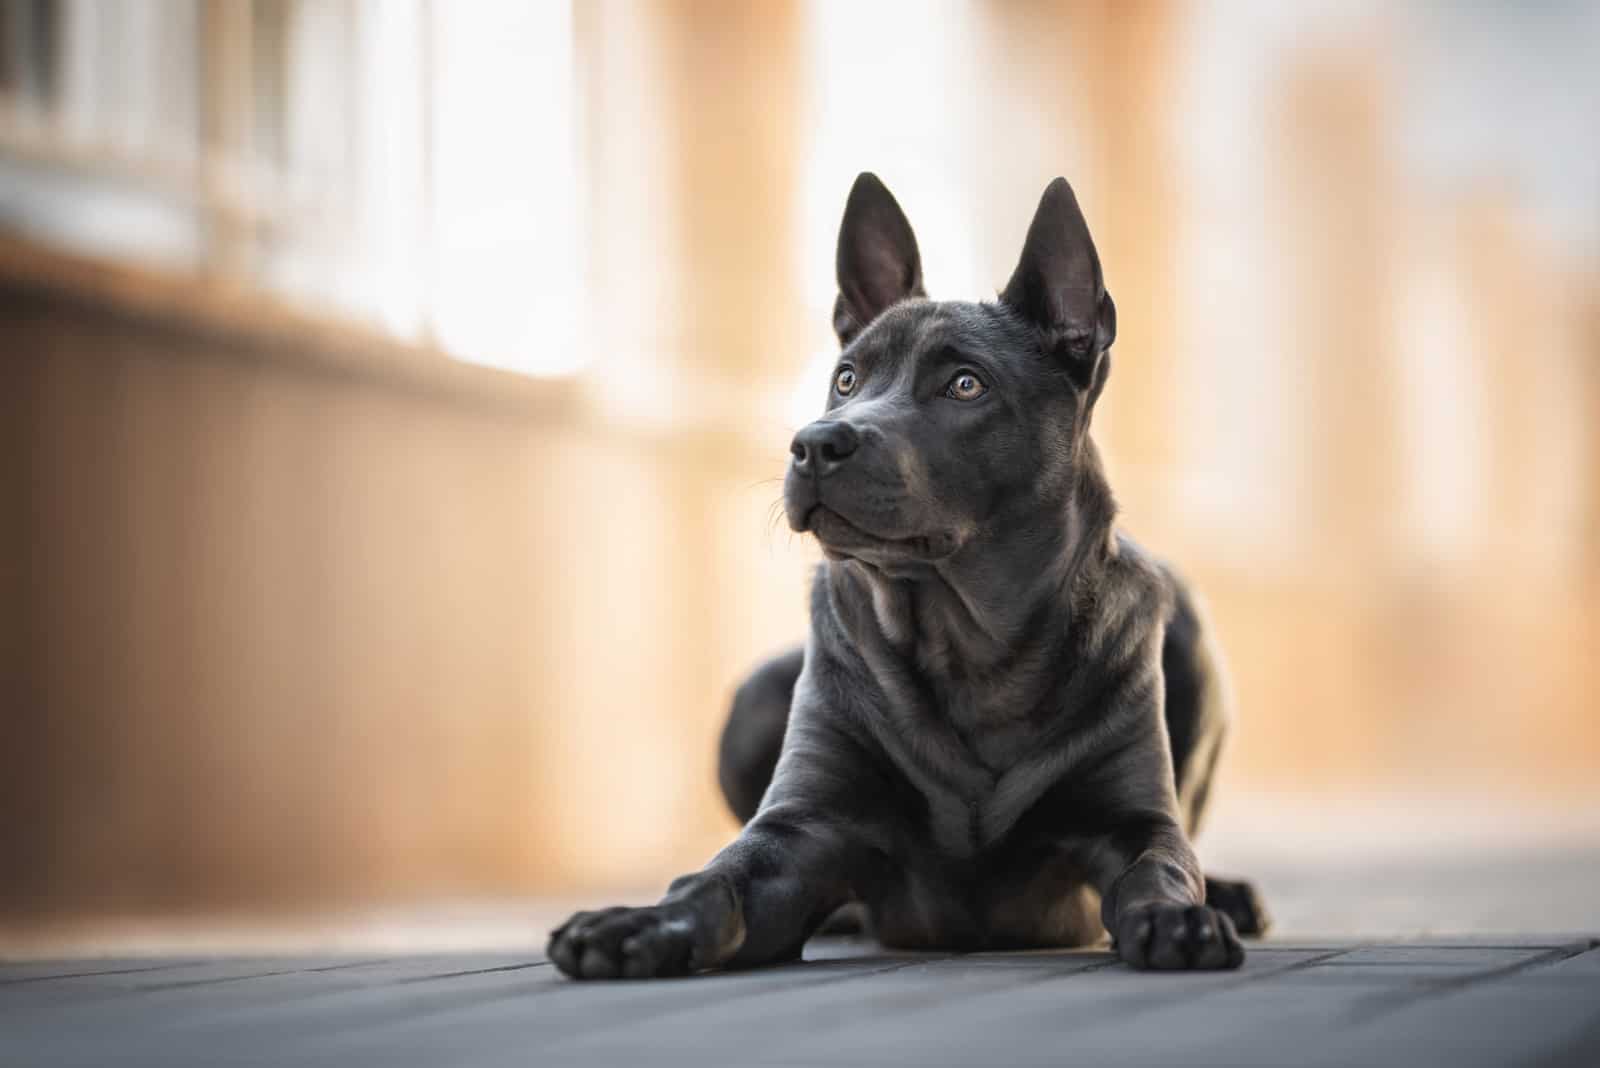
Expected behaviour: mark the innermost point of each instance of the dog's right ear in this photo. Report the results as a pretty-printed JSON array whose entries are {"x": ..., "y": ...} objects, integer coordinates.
[
  {"x": 1058, "y": 288},
  {"x": 877, "y": 262}
]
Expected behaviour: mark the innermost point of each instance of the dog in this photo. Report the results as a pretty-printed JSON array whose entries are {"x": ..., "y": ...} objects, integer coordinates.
[{"x": 1004, "y": 725}]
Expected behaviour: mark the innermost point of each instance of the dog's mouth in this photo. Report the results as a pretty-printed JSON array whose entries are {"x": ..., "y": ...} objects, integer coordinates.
[{"x": 842, "y": 539}]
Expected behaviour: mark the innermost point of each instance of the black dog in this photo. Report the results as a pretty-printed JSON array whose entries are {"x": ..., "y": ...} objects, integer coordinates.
[{"x": 1006, "y": 712}]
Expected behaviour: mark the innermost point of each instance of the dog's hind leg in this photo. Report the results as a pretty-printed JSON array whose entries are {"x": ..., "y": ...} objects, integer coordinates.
[
  {"x": 753, "y": 735},
  {"x": 1241, "y": 901},
  {"x": 1197, "y": 707}
]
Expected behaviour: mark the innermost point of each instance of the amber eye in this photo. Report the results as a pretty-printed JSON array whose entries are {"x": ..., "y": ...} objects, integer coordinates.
[
  {"x": 845, "y": 381},
  {"x": 966, "y": 386}
]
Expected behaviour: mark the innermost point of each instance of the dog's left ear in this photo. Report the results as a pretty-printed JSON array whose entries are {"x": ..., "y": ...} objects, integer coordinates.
[
  {"x": 877, "y": 260},
  {"x": 1058, "y": 288}
]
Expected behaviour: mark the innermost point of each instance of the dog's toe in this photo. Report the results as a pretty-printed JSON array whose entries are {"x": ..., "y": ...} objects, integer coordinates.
[
  {"x": 1179, "y": 938},
  {"x": 624, "y": 943}
]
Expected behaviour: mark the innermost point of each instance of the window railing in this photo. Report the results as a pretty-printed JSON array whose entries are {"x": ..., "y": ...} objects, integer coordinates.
[{"x": 355, "y": 158}]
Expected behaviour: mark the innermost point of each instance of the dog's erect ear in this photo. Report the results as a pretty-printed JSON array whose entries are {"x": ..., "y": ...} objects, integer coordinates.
[
  {"x": 1057, "y": 287},
  {"x": 877, "y": 261}
]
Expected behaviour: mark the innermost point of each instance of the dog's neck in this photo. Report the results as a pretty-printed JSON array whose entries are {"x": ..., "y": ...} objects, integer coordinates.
[{"x": 996, "y": 604}]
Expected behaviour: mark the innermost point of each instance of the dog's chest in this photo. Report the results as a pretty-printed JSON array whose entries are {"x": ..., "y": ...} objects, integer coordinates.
[
  {"x": 967, "y": 720},
  {"x": 977, "y": 773}
]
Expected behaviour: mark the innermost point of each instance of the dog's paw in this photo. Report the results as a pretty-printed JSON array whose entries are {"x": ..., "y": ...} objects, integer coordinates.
[
  {"x": 1242, "y": 904},
  {"x": 1178, "y": 937},
  {"x": 628, "y": 943}
]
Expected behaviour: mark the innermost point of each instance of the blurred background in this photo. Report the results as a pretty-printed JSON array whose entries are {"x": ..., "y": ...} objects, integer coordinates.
[{"x": 394, "y": 397}]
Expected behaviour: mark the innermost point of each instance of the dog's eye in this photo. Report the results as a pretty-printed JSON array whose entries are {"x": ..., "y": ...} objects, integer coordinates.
[
  {"x": 844, "y": 381},
  {"x": 966, "y": 386}
]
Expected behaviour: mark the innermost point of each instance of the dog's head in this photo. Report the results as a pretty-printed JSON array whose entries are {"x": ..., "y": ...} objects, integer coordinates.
[{"x": 947, "y": 418}]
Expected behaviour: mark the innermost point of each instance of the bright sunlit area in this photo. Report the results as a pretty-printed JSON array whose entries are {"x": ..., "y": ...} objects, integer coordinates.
[{"x": 415, "y": 166}]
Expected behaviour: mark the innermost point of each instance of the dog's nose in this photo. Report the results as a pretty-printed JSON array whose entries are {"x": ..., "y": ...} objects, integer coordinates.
[{"x": 824, "y": 445}]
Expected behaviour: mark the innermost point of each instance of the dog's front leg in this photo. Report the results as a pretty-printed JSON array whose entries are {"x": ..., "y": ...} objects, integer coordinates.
[
  {"x": 755, "y": 903},
  {"x": 1155, "y": 907},
  {"x": 1151, "y": 890}
]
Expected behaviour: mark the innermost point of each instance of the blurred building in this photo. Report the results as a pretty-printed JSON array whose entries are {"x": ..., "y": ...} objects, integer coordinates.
[{"x": 394, "y": 397}]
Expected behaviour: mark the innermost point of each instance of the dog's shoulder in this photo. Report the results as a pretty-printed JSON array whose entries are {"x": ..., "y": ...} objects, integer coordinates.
[
  {"x": 1146, "y": 577},
  {"x": 1125, "y": 598}
]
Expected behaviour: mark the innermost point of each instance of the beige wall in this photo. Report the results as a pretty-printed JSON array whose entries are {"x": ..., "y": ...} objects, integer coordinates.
[{"x": 285, "y": 632}]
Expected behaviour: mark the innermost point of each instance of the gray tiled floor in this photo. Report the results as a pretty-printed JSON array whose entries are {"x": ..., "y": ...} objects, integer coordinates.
[
  {"x": 1533, "y": 1002},
  {"x": 1393, "y": 981}
]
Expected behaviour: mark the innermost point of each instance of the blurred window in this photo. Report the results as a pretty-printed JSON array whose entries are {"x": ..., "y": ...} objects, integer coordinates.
[{"x": 408, "y": 163}]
